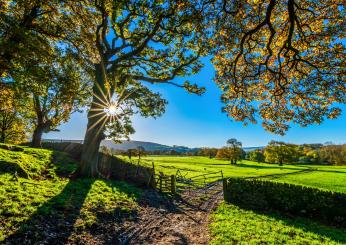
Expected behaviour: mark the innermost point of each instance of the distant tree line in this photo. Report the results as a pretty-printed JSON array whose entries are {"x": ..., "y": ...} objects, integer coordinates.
[
  {"x": 281, "y": 152},
  {"x": 276, "y": 152}
]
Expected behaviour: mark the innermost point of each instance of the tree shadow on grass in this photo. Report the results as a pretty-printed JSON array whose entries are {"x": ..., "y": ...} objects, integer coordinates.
[
  {"x": 12, "y": 168},
  {"x": 59, "y": 220},
  {"x": 243, "y": 165},
  {"x": 53, "y": 222},
  {"x": 337, "y": 234},
  {"x": 330, "y": 171},
  {"x": 333, "y": 233}
]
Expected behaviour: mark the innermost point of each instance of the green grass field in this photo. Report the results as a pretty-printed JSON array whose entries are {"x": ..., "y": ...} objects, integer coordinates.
[
  {"x": 233, "y": 225},
  {"x": 41, "y": 200},
  {"x": 37, "y": 198},
  {"x": 331, "y": 178}
]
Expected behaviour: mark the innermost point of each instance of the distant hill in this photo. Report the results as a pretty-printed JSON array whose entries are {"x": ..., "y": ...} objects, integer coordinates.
[
  {"x": 148, "y": 146},
  {"x": 247, "y": 149},
  {"x": 133, "y": 144}
]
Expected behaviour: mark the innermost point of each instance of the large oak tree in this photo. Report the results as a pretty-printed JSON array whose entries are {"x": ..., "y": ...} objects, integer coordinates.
[{"x": 139, "y": 42}]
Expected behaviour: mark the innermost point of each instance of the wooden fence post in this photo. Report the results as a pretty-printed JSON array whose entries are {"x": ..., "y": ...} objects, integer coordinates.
[
  {"x": 173, "y": 184},
  {"x": 160, "y": 181}
]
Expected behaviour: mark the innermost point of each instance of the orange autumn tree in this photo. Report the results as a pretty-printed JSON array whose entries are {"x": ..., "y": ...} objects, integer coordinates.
[{"x": 281, "y": 61}]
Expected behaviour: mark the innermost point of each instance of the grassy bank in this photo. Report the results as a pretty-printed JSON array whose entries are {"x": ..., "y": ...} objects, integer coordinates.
[{"x": 39, "y": 203}]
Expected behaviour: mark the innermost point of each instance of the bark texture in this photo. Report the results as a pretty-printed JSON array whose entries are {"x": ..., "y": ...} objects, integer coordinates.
[{"x": 95, "y": 128}]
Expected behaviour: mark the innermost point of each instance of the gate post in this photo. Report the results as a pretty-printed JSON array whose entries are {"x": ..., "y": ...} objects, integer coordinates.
[
  {"x": 173, "y": 184},
  {"x": 160, "y": 181}
]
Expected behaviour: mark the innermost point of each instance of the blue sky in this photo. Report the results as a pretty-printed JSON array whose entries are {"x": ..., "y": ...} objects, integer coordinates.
[{"x": 196, "y": 121}]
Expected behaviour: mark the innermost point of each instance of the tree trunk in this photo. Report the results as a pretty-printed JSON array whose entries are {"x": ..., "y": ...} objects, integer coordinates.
[
  {"x": 37, "y": 136},
  {"x": 95, "y": 128},
  {"x": 3, "y": 136}
]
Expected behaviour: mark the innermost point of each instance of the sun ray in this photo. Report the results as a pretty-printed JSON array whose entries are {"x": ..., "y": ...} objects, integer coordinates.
[
  {"x": 101, "y": 127},
  {"x": 97, "y": 114},
  {"x": 103, "y": 101},
  {"x": 100, "y": 105},
  {"x": 97, "y": 122},
  {"x": 121, "y": 93},
  {"x": 106, "y": 98},
  {"x": 124, "y": 98},
  {"x": 97, "y": 110}
]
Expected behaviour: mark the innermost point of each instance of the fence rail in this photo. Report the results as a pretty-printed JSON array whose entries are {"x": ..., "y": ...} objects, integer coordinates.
[{"x": 112, "y": 167}]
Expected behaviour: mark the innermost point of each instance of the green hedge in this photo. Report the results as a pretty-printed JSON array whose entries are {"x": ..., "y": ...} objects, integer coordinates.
[{"x": 326, "y": 206}]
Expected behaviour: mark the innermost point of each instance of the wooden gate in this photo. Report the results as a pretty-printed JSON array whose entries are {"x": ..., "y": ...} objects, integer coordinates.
[
  {"x": 198, "y": 181},
  {"x": 165, "y": 183}
]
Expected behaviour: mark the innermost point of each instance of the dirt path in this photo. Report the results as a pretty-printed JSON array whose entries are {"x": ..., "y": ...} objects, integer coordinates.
[{"x": 173, "y": 221}]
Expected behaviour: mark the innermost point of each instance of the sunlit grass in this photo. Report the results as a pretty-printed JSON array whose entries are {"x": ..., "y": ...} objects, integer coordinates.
[
  {"x": 233, "y": 225},
  {"x": 326, "y": 177},
  {"x": 25, "y": 202}
]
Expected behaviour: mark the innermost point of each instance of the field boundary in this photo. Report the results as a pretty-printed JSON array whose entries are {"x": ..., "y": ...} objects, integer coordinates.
[{"x": 303, "y": 171}]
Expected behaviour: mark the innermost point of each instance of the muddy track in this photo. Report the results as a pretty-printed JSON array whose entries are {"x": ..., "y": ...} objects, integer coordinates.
[{"x": 179, "y": 220}]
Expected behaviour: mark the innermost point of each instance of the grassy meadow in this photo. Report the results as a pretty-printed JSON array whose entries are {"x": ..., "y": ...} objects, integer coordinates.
[
  {"x": 331, "y": 178},
  {"x": 233, "y": 225},
  {"x": 40, "y": 201},
  {"x": 37, "y": 199}
]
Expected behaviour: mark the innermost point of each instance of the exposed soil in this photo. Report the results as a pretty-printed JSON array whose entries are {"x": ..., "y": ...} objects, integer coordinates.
[
  {"x": 179, "y": 220},
  {"x": 161, "y": 219}
]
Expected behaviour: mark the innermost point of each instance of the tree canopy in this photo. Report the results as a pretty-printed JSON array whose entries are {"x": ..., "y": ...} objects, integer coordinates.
[
  {"x": 14, "y": 109},
  {"x": 278, "y": 62},
  {"x": 31, "y": 28},
  {"x": 281, "y": 61},
  {"x": 57, "y": 87},
  {"x": 280, "y": 152}
]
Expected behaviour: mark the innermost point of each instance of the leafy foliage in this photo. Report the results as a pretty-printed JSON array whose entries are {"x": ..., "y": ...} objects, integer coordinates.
[
  {"x": 14, "y": 110},
  {"x": 233, "y": 152},
  {"x": 209, "y": 152},
  {"x": 256, "y": 156},
  {"x": 30, "y": 29},
  {"x": 281, "y": 60},
  {"x": 280, "y": 152},
  {"x": 58, "y": 86},
  {"x": 333, "y": 154}
]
